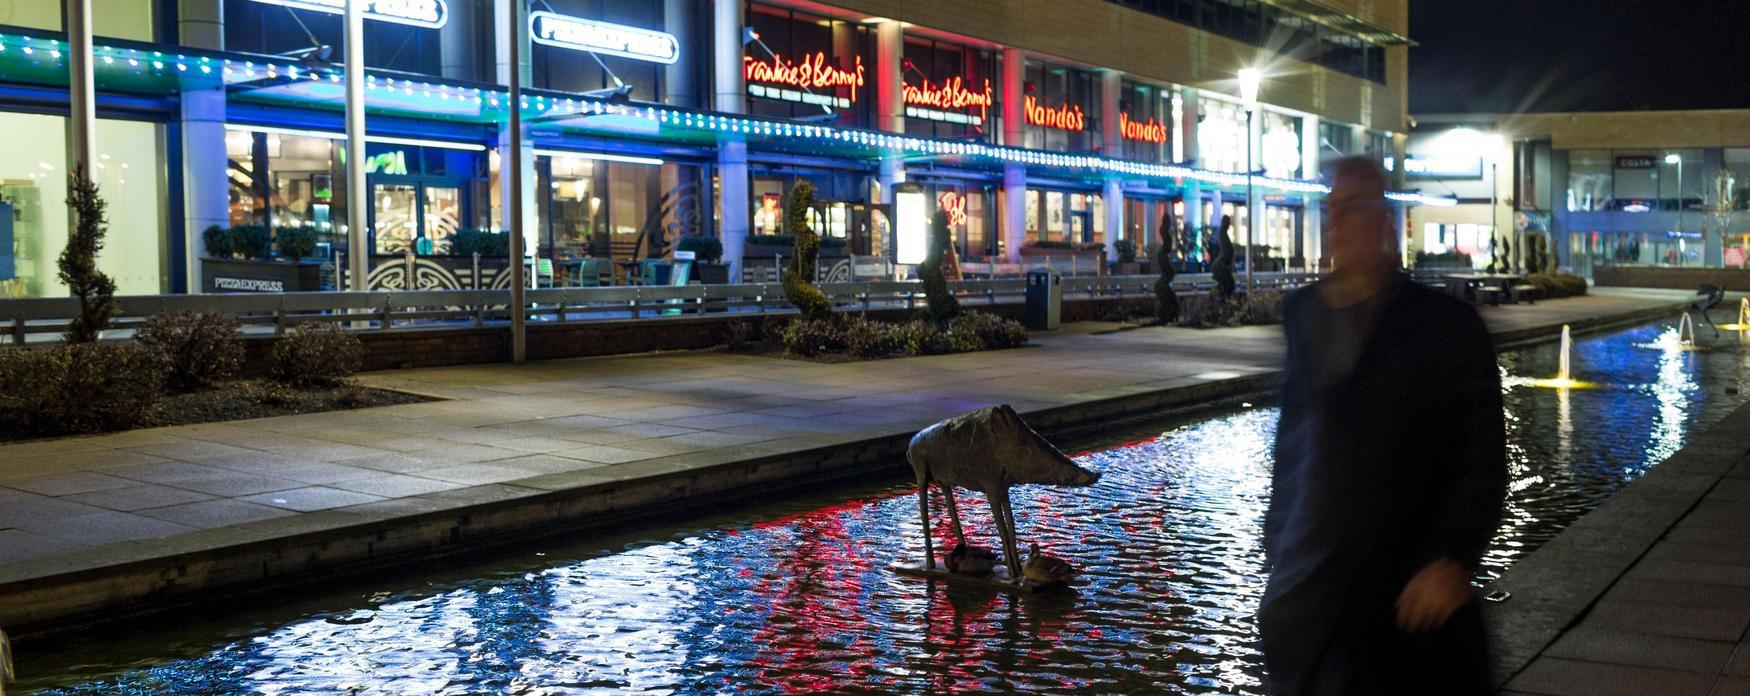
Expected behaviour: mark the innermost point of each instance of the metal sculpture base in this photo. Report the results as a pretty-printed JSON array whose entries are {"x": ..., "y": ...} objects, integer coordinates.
[{"x": 996, "y": 579}]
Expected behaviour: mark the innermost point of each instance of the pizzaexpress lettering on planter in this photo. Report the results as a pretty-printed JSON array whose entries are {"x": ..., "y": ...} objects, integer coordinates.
[{"x": 248, "y": 284}]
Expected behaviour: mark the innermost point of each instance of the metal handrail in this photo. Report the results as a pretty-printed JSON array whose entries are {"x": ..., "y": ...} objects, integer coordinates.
[{"x": 362, "y": 311}]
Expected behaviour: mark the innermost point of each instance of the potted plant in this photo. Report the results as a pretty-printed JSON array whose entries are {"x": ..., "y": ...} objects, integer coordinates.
[
  {"x": 1126, "y": 263},
  {"x": 707, "y": 252},
  {"x": 238, "y": 260}
]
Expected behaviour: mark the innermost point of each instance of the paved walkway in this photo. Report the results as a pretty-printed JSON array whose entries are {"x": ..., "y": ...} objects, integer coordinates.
[
  {"x": 504, "y": 431},
  {"x": 1649, "y": 593}
]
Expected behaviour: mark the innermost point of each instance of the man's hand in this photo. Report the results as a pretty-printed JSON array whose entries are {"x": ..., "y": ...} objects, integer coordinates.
[{"x": 1430, "y": 597}]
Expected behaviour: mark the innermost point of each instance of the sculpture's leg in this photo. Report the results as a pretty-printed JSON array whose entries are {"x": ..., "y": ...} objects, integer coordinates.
[
  {"x": 953, "y": 511},
  {"x": 924, "y": 514},
  {"x": 1005, "y": 518}
]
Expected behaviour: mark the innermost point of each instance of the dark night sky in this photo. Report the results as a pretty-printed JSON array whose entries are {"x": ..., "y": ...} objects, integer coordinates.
[{"x": 1578, "y": 55}]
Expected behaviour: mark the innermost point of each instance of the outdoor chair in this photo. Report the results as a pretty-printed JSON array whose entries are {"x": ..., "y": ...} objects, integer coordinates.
[
  {"x": 1490, "y": 294},
  {"x": 1527, "y": 291}
]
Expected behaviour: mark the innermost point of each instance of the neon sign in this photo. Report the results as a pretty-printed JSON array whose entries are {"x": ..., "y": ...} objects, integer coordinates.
[
  {"x": 1068, "y": 117},
  {"x": 590, "y": 36},
  {"x": 812, "y": 72},
  {"x": 951, "y": 94},
  {"x": 954, "y": 204},
  {"x": 430, "y": 14},
  {"x": 1151, "y": 132}
]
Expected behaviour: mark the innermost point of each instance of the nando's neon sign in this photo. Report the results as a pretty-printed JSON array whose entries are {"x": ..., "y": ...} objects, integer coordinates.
[
  {"x": 1151, "y": 132},
  {"x": 951, "y": 94},
  {"x": 812, "y": 72},
  {"x": 1067, "y": 117}
]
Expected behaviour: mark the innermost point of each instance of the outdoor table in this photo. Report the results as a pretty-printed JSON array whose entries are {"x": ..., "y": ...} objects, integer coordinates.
[{"x": 1464, "y": 285}]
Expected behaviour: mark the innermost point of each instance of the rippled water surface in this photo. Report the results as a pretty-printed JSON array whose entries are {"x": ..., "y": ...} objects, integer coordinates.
[{"x": 795, "y": 596}]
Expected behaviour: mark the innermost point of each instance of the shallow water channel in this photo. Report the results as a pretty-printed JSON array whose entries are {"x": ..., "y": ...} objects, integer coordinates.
[{"x": 795, "y": 595}]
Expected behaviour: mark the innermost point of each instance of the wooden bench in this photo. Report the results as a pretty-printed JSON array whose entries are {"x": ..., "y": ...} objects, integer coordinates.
[{"x": 1528, "y": 292}]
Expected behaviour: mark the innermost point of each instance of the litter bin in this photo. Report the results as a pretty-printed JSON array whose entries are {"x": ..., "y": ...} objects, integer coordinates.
[{"x": 1044, "y": 299}]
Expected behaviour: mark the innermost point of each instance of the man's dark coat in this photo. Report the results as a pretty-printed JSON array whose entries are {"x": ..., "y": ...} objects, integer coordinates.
[{"x": 1397, "y": 464}]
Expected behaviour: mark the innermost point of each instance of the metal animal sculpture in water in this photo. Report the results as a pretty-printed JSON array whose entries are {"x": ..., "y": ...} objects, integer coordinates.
[{"x": 988, "y": 450}]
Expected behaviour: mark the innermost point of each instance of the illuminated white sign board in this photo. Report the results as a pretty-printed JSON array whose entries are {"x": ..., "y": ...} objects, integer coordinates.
[
  {"x": 431, "y": 14},
  {"x": 1423, "y": 167},
  {"x": 578, "y": 34},
  {"x": 912, "y": 218}
]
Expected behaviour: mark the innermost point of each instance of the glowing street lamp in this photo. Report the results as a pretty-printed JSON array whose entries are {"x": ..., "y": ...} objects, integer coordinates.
[{"x": 1250, "y": 80}]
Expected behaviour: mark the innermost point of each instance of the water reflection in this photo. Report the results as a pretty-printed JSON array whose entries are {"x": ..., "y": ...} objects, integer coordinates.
[{"x": 799, "y": 599}]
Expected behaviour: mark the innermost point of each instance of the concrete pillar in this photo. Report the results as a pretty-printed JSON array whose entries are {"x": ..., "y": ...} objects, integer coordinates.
[
  {"x": 890, "y": 98},
  {"x": 733, "y": 175},
  {"x": 1313, "y": 221},
  {"x": 1014, "y": 96},
  {"x": 1254, "y": 195},
  {"x": 201, "y": 24},
  {"x": 680, "y": 80},
  {"x": 1014, "y": 213},
  {"x": 1188, "y": 124},
  {"x": 728, "y": 87},
  {"x": 728, "y": 83},
  {"x": 1112, "y": 144},
  {"x": 890, "y": 77},
  {"x": 457, "y": 43},
  {"x": 205, "y": 195},
  {"x": 1310, "y": 156},
  {"x": 1193, "y": 220},
  {"x": 502, "y": 21},
  {"x": 1014, "y": 223}
]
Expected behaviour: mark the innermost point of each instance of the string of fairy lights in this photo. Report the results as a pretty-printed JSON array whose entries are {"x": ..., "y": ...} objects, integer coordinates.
[{"x": 232, "y": 71}]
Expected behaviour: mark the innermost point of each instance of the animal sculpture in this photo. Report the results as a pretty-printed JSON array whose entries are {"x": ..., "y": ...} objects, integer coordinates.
[{"x": 988, "y": 450}]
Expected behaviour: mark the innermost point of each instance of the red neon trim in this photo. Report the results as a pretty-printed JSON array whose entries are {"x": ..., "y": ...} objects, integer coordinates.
[
  {"x": 951, "y": 94},
  {"x": 813, "y": 72},
  {"x": 1068, "y": 117},
  {"x": 1153, "y": 131}
]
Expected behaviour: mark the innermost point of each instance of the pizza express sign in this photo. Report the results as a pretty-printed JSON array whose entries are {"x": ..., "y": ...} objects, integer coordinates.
[
  {"x": 578, "y": 34},
  {"x": 430, "y": 14}
]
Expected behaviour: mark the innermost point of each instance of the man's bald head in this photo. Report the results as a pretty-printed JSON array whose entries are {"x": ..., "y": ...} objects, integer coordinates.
[{"x": 1362, "y": 238}]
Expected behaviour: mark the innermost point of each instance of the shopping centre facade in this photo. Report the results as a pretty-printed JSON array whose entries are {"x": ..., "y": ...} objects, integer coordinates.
[
  {"x": 1664, "y": 189},
  {"x": 1035, "y": 125}
]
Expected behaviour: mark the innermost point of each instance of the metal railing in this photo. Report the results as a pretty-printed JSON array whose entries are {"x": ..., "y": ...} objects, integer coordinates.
[{"x": 43, "y": 319}]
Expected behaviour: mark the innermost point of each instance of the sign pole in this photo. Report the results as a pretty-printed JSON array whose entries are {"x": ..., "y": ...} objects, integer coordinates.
[
  {"x": 357, "y": 198},
  {"x": 513, "y": 169}
]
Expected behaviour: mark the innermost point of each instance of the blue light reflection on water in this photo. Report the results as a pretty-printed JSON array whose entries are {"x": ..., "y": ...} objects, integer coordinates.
[{"x": 798, "y": 599}]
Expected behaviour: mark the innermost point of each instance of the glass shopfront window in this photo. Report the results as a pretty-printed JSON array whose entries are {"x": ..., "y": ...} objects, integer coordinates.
[
  {"x": 950, "y": 90},
  {"x": 1062, "y": 108},
  {"x": 1221, "y": 135},
  {"x": 1589, "y": 180},
  {"x": 33, "y": 210},
  {"x": 1147, "y": 125},
  {"x": 462, "y": 48},
  {"x": 971, "y": 209},
  {"x": 123, "y": 19},
  {"x": 598, "y": 208},
  {"x": 1066, "y": 217},
  {"x": 806, "y": 65},
  {"x": 1337, "y": 139},
  {"x": 1280, "y": 141}
]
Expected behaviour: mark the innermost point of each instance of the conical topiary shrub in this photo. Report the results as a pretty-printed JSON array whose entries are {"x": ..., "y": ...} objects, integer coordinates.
[
  {"x": 1166, "y": 301},
  {"x": 78, "y": 262},
  {"x": 942, "y": 303},
  {"x": 1223, "y": 269},
  {"x": 799, "y": 280}
]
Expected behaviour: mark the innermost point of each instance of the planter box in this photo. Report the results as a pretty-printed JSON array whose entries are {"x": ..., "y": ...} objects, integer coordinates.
[
  {"x": 711, "y": 273},
  {"x": 231, "y": 275},
  {"x": 1127, "y": 268}
]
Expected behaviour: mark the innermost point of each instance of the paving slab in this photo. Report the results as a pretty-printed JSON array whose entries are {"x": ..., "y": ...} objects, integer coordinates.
[{"x": 521, "y": 448}]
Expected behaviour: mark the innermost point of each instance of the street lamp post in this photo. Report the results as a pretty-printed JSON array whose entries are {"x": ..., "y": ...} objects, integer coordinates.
[
  {"x": 1250, "y": 79},
  {"x": 1677, "y": 159}
]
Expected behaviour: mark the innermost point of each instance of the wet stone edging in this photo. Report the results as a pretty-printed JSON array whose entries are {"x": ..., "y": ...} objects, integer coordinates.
[{"x": 1554, "y": 586}]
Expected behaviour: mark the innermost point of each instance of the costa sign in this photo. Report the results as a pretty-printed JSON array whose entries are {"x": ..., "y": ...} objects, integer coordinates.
[
  {"x": 951, "y": 94},
  {"x": 1151, "y": 132},
  {"x": 430, "y": 14},
  {"x": 590, "y": 36},
  {"x": 1067, "y": 117},
  {"x": 812, "y": 72}
]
